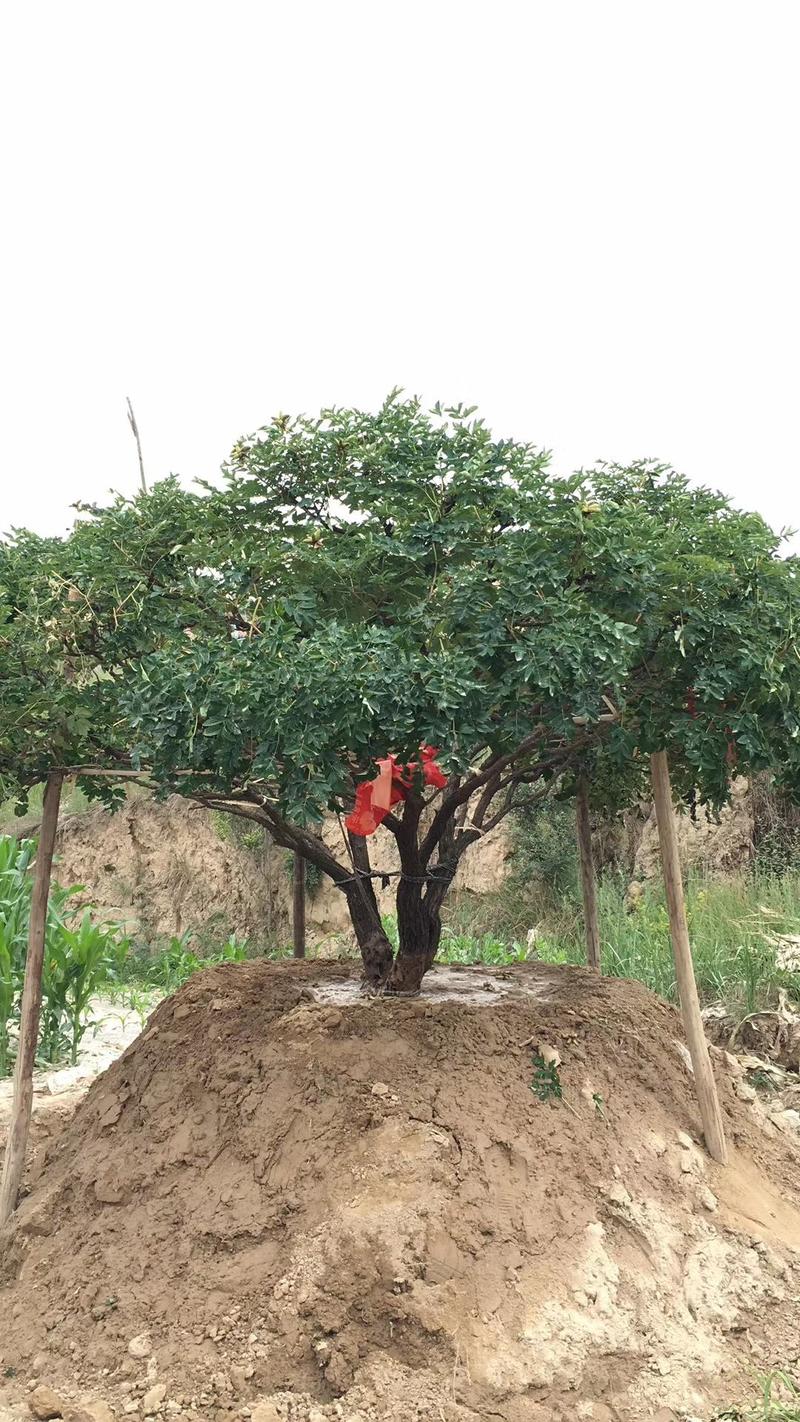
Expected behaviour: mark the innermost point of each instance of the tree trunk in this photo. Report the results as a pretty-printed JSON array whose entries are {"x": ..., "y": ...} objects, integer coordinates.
[
  {"x": 17, "y": 1141},
  {"x": 583, "y": 826},
  {"x": 299, "y": 906},
  {"x": 705, "y": 1084},
  {"x": 376, "y": 950},
  {"x": 419, "y": 931}
]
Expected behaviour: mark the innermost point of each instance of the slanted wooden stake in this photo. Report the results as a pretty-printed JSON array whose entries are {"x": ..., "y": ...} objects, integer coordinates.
[
  {"x": 583, "y": 826},
  {"x": 299, "y": 906},
  {"x": 14, "y": 1162},
  {"x": 705, "y": 1084}
]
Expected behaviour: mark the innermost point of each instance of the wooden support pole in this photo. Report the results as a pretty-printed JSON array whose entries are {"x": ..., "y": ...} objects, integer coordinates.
[
  {"x": 705, "y": 1084},
  {"x": 22, "y": 1106},
  {"x": 583, "y": 828},
  {"x": 299, "y": 906}
]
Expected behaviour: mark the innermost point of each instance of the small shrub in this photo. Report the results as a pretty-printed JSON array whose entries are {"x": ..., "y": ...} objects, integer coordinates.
[
  {"x": 233, "y": 829},
  {"x": 778, "y": 851},
  {"x": 314, "y": 874},
  {"x": 546, "y": 1084},
  {"x": 314, "y": 877},
  {"x": 543, "y": 847},
  {"x": 776, "y": 829}
]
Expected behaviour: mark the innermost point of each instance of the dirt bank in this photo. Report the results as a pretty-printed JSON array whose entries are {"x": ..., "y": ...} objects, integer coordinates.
[
  {"x": 164, "y": 868},
  {"x": 362, "y": 1209},
  {"x": 708, "y": 843}
]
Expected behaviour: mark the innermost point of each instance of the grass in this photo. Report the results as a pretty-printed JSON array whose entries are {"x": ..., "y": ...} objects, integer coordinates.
[
  {"x": 731, "y": 925},
  {"x": 731, "y": 922},
  {"x": 777, "y": 1400}
]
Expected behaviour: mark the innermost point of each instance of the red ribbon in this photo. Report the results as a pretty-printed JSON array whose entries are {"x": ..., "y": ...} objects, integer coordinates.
[{"x": 375, "y": 798}]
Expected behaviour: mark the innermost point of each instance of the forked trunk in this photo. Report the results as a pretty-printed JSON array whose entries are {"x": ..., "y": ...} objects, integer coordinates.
[{"x": 419, "y": 923}]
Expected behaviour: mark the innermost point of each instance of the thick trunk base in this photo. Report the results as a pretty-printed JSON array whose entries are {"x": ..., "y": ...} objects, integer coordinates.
[
  {"x": 377, "y": 957},
  {"x": 419, "y": 931},
  {"x": 407, "y": 973},
  {"x": 376, "y": 950},
  {"x": 405, "y": 979}
]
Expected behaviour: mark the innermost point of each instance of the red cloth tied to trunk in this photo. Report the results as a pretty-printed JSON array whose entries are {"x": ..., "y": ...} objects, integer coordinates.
[{"x": 375, "y": 798}]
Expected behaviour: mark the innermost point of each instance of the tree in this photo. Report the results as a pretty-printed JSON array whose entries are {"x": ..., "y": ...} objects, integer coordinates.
[
  {"x": 56, "y": 709},
  {"x": 366, "y": 584}
]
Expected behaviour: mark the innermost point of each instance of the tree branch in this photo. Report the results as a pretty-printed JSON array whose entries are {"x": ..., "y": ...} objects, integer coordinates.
[
  {"x": 467, "y": 788},
  {"x": 282, "y": 831},
  {"x": 515, "y": 805}
]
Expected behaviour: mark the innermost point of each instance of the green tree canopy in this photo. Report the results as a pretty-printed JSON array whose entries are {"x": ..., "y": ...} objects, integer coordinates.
[{"x": 360, "y": 584}]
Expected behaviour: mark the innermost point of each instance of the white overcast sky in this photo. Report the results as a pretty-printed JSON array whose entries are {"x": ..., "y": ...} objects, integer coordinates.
[{"x": 581, "y": 216}]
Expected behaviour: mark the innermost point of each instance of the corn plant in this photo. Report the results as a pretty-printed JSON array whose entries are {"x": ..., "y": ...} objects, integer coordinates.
[
  {"x": 179, "y": 961},
  {"x": 778, "y": 1401},
  {"x": 175, "y": 964},
  {"x": 14, "y": 909},
  {"x": 78, "y": 960},
  {"x": 7, "y": 996}
]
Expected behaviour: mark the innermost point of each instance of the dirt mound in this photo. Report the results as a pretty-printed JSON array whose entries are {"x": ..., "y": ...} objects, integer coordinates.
[{"x": 290, "y": 1199}]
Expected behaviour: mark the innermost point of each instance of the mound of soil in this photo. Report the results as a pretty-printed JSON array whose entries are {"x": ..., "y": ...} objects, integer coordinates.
[{"x": 287, "y": 1201}]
